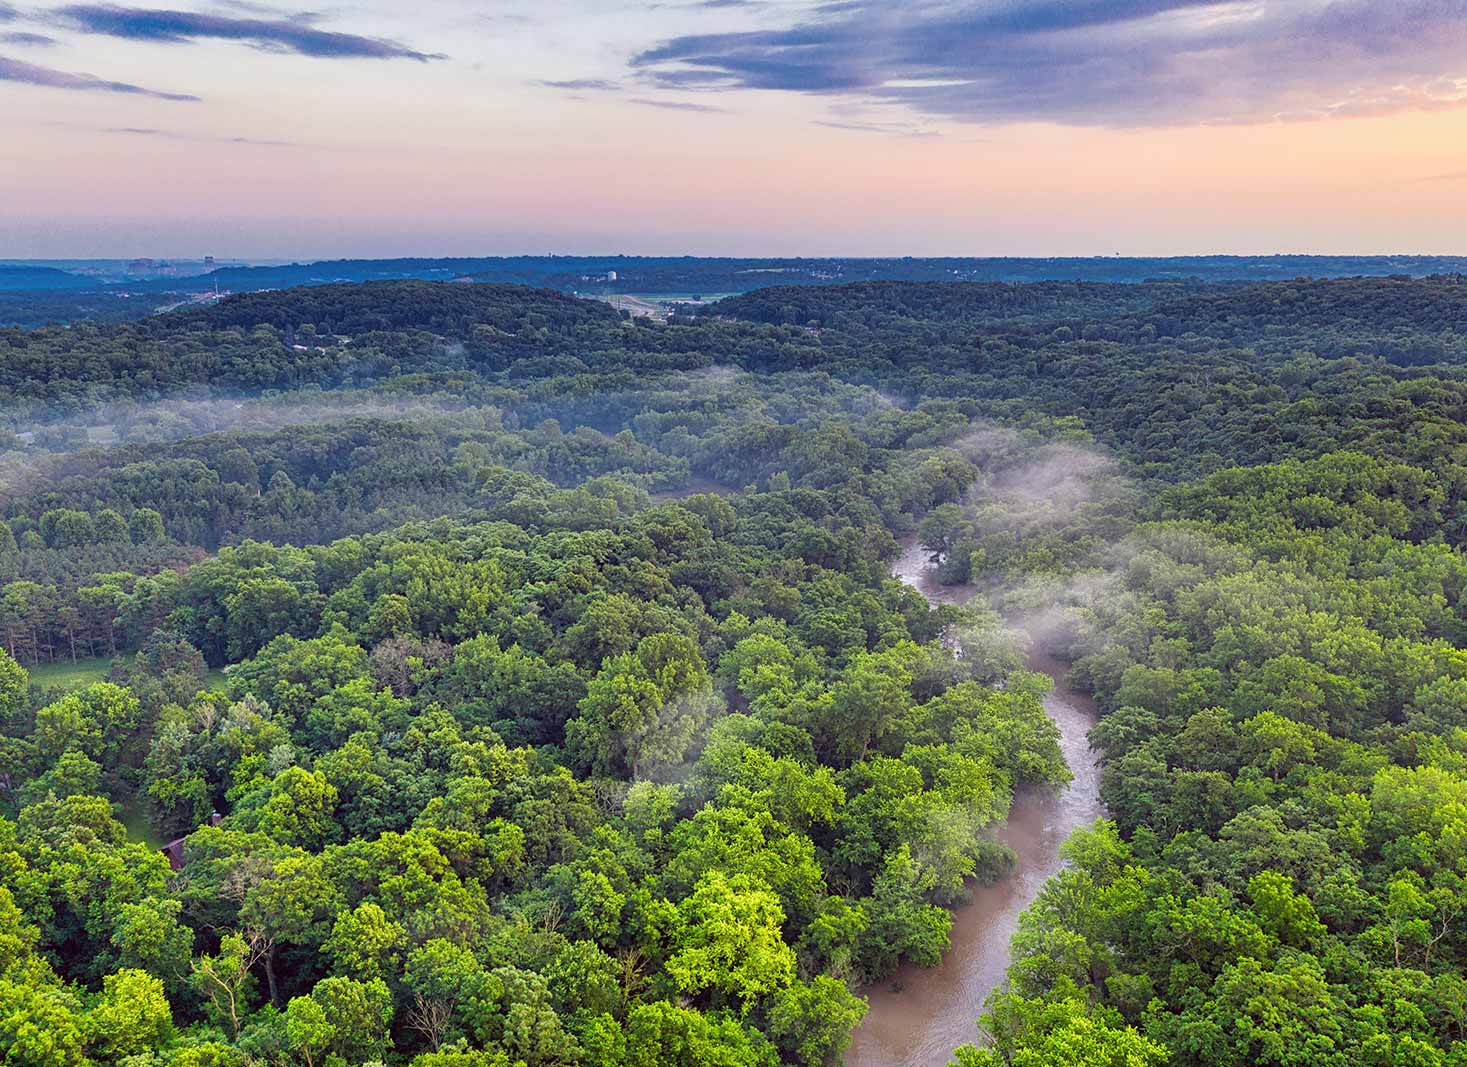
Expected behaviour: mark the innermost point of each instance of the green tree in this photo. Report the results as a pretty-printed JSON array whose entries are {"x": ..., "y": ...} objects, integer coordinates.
[
  {"x": 130, "y": 1016},
  {"x": 730, "y": 940},
  {"x": 642, "y": 710},
  {"x": 145, "y": 526}
]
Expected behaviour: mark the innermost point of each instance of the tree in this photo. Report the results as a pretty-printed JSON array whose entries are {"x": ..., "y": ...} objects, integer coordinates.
[
  {"x": 100, "y": 721},
  {"x": 41, "y": 1023},
  {"x": 130, "y": 1016},
  {"x": 13, "y": 704},
  {"x": 903, "y": 924},
  {"x": 308, "y": 1030},
  {"x": 292, "y": 906},
  {"x": 516, "y": 692},
  {"x": 1287, "y": 915},
  {"x": 730, "y": 940},
  {"x": 1262, "y": 1013},
  {"x": 145, "y": 526},
  {"x": 365, "y": 944},
  {"x": 660, "y": 1034},
  {"x": 1058, "y": 1029},
  {"x": 357, "y": 1013},
  {"x": 224, "y": 980},
  {"x": 452, "y": 994},
  {"x": 869, "y": 698},
  {"x": 299, "y": 809},
  {"x": 67, "y": 528},
  {"x": 812, "y": 1021},
  {"x": 111, "y": 527},
  {"x": 643, "y": 709},
  {"x": 150, "y": 936}
]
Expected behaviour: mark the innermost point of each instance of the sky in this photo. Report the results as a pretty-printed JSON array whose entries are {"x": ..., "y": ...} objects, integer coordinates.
[{"x": 734, "y": 127}]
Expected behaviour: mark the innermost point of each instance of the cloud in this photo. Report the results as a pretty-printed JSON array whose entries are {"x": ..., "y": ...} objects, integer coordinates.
[
  {"x": 1098, "y": 62},
  {"x": 295, "y": 34},
  {"x": 597, "y": 85},
  {"x": 899, "y": 129},
  {"x": 29, "y": 74},
  {"x": 679, "y": 105},
  {"x": 174, "y": 135},
  {"x": 36, "y": 39},
  {"x": 7, "y": 13}
]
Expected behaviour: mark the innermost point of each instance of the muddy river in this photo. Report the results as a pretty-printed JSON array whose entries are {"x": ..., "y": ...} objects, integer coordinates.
[{"x": 920, "y": 1015}]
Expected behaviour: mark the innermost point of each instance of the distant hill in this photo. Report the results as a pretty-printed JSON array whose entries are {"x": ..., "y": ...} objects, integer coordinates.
[
  {"x": 34, "y": 278},
  {"x": 707, "y": 276},
  {"x": 452, "y": 310}
]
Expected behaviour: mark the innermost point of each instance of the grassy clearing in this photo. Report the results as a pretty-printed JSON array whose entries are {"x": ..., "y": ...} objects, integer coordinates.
[
  {"x": 135, "y": 819},
  {"x": 68, "y": 676}
]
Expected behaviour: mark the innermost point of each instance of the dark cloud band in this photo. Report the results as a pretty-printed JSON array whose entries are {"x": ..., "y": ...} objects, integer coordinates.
[
  {"x": 1099, "y": 62},
  {"x": 284, "y": 35}
]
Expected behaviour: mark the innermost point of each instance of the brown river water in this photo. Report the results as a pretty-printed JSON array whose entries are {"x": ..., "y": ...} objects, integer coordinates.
[{"x": 919, "y": 1015}]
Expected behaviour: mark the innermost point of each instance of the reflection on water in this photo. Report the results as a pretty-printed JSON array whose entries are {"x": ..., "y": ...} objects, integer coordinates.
[{"x": 920, "y": 1015}]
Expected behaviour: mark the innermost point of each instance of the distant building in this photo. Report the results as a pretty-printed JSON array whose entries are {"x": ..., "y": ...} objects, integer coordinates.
[
  {"x": 611, "y": 275},
  {"x": 208, "y": 262}
]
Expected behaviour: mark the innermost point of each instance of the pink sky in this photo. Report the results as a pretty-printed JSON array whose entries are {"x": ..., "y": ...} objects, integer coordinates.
[{"x": 1021, "y": 127}]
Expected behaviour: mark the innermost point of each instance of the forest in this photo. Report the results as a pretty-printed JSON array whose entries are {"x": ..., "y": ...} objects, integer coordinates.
[{"x": 467, "y": 675}]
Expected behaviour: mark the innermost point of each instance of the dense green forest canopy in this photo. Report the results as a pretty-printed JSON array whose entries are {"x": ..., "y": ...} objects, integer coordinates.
[{"x": 515, "y": 682}]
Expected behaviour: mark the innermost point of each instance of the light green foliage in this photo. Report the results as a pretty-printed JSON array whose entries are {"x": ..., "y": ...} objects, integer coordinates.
[
  {"x": 812, "y": 1021},
  {"x": 356, "y": 1014},
  {"x": 130, "y": 1015},
  {"x": 99, "y": 721},
  {"x": 298, "y": 809},
  {"x": 13, "y": 681},
  {"x": 365, "y": 944},
  {"x": 729, "y": 940},
  {"x": 308, "y": 1030},
  {"x": 150, "y": 936},
  {"x": 41, "y": 1024},
  {"x": 1059, "y": 1029}
]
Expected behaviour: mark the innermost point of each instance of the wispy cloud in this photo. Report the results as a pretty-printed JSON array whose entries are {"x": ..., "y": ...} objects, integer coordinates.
[
  {"x": 1099, "y": 62},
  {"x": 7, "y": 13},
  {"x": 296, "y": 34},
  {"x": 14, "y": 70},
  {"x": 33, "y": 39},
  {"x": 897, "y": 129},
  {"x": 176, "y": 135},
  {"x": 678, "y": 105},
  {"x": 582, "y": 85}
]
